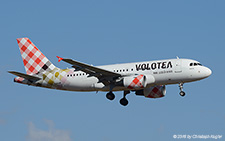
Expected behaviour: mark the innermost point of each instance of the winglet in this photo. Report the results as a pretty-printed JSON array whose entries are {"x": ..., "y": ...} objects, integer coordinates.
[{"x": 59, "y": 58}]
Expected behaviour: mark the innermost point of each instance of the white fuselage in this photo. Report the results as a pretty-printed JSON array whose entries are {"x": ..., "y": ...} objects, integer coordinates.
[
  {"x": 144, "y": 78},
  {"x": 172, "y": 71}
]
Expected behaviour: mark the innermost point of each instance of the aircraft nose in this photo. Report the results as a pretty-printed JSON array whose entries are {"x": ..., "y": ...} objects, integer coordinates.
[{"x": 208, "y": 72}]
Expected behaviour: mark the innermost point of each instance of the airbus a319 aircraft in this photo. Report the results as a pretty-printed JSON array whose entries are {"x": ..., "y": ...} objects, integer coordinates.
[{"x": 143, "y": 78}]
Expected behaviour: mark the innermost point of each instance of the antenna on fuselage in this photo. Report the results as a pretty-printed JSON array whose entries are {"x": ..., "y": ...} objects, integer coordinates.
[{"x": 178, "y": 57}]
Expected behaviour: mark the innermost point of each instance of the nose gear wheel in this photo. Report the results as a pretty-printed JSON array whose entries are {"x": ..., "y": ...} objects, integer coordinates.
[{"x": 182, "y": 93}]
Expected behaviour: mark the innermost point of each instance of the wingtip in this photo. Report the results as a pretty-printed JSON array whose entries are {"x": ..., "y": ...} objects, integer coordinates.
[
  {"x": 10, "y": 72},
  {"x": 59, "y": 58}
]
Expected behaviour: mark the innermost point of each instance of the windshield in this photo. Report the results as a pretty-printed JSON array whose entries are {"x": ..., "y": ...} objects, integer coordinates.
[{"x": 195, "y": 64}]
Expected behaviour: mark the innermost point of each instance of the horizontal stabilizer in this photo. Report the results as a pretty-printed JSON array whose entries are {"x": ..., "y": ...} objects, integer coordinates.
[{"x": 26, "y": 76}]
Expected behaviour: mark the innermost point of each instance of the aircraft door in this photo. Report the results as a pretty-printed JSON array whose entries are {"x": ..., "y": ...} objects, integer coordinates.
[{"x": 178, "y": 64}]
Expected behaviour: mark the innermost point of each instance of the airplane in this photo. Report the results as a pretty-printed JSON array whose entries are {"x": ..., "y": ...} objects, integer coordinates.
[{"x": 143, "y": 78}]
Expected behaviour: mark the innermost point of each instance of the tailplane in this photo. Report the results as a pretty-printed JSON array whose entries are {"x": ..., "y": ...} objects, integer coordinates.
[
  {"x": 26, "y": 76},
  {"x": 33, "y": 59}
]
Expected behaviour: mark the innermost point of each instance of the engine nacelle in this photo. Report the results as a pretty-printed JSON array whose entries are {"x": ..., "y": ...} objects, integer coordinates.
[
  {"x": 134, "y": 82},
  {"x": 138, "y": 81},
  {"x": 153, "y": 92}
]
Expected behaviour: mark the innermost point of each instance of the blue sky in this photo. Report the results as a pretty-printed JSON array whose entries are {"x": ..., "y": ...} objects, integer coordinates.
[{"x": 107, "y": 32}]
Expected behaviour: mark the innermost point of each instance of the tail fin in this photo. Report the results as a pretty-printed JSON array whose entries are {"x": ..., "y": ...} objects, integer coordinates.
[{"x": 34, "y": 61}]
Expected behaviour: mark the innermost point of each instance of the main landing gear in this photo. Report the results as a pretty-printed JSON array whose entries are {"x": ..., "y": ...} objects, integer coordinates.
[
  {"x": 123, "y": 101},
  {"x": 110, "y": 95},
  {"x": 182, "y": 93}
]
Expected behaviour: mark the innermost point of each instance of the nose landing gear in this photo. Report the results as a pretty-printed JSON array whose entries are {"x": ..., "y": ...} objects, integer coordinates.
[{"x": 182, "y": 93}]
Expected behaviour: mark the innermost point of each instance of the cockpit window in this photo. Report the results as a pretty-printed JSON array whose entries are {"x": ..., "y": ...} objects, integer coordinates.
[{"x": 195, "y": 64}]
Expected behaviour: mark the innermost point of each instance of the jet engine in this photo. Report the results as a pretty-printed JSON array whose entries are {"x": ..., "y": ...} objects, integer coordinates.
[
  {"x": 153, "y": 92},
  {"x": 138, "y": 81}
]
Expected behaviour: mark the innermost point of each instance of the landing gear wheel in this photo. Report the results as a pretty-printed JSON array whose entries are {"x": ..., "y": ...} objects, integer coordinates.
[
  {"x": 182, "y": 93},
  {"x": 124, "y": 101},
  {"x": 110, "y": 96}
]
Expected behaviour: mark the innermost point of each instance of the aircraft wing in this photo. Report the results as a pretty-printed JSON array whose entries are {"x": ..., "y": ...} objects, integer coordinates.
[
  {"x": 26, "y": 76},
  {"x": 104, "y": 76}
]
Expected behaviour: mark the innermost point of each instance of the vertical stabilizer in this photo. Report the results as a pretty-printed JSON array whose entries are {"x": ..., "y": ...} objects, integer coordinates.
[{"x": 34, "y": 61}]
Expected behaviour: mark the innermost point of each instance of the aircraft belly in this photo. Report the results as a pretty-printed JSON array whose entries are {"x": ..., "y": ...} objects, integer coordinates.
[
  {"x": 163, "y": 79},
  {"x": 80, "y": 84}
]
